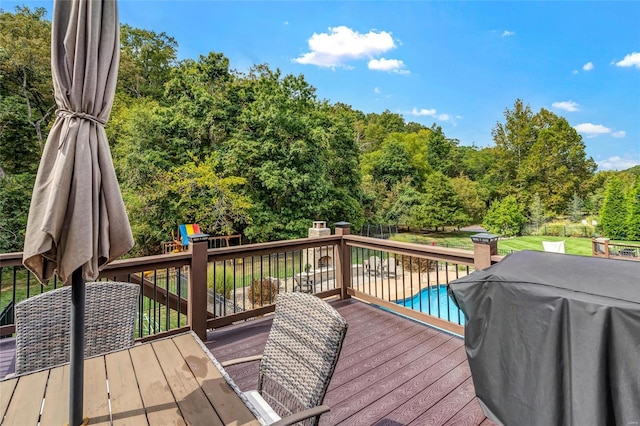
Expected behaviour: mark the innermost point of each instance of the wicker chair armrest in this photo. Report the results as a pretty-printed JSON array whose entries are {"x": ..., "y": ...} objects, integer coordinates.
[
  {"x": 241, "y": 360},
  {"x": 301, "y": 415}
]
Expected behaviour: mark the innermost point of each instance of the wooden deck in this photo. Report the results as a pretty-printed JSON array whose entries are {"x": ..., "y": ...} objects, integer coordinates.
[{"x": 392, "y": 371}]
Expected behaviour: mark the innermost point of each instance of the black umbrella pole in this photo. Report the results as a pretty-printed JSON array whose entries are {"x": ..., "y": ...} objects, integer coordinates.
[{"x": 76, "y": 356}]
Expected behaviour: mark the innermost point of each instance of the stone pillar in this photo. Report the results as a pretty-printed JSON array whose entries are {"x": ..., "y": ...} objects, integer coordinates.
[
  {"x": 312, "y": 256},
  {"x": 343, "y": 260},
  {"x": 197, "y": 298}
]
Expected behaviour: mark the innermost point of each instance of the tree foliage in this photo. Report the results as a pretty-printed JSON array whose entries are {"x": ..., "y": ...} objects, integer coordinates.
[
  {"x": 440, "y": 204},
  {"x": 613, "y": 217},
  {"x": 146, "y": 60},
  {"x": 25, "y": 67},
  {"x": 257, "y": 152},
  {"x": 539, "y": 154},
  {"x": 504, "y": 217},
  {"x": 537, "y": 215},
  {"x": 633, "y": 212}
]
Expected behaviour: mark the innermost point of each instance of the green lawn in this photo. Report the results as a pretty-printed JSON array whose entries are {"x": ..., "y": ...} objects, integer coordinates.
[{"x": 572, "y": 245}]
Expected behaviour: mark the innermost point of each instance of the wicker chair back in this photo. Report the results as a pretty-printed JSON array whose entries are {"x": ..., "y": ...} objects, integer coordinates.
[
  {"x": 300, "y": 354},
  {"x": 43, "y": 324}
]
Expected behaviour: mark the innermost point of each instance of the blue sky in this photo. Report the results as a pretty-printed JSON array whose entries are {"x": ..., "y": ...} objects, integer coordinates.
[{"x": 458, "y": 64}]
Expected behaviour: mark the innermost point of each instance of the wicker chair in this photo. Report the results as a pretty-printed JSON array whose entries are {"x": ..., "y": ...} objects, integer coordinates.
[
  {"x": 298, "y": 361},
  {"x": 43, "y": 324}
]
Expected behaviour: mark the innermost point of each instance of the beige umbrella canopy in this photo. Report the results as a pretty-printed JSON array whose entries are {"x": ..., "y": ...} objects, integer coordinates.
[
  {"x": 77, "y": 220},
  {"x": 77, "y": 217}
]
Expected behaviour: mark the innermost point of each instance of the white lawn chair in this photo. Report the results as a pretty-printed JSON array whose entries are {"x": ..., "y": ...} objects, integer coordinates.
[{"x": 553, "y": 246}]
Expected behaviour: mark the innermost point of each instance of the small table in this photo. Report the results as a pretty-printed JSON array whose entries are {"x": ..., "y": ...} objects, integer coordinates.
[{"x": 174, "y": 380}]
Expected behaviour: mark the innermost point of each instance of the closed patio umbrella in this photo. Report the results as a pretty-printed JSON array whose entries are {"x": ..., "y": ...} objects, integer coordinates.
[{"x": 77, "y": 220}]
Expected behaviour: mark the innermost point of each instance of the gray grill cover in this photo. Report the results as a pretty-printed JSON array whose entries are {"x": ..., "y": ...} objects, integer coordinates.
[{"x": 554, "y": 339}]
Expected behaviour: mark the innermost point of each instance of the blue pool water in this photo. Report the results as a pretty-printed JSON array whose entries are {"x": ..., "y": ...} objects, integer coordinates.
[{"x": 435, "y": 301}]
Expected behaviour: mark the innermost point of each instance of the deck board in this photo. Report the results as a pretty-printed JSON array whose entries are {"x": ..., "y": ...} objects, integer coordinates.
[{"x": 392, "y": 370}]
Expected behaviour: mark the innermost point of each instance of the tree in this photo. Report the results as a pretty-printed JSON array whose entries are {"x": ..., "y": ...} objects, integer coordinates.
[
  {"x": 392, "y": 163},
  {"x": 440, "y": 204},
  {"x": 538, "y": 154},
  {"x": 281, "y": 145},
  {"x": 403, "y": 200},
  {"x": 19, "y": 150},
  {"x": 537, "y": 214},
  {"x": 633, "y": 212},
  {"x": 513, "y": 140},
  {"x": 25, "y": 66},
  {"x": 146, "y": 60},
  {"x": 15, "y": 197},
  {"x": 205, "y": 102},
  {"x": 440, "y": 151},
  {"x": 504, "y": 217},
  {"x": 613, "y": 217},
  {"x": 198, "y": 195},
  {"x": 556, "y": 166},
  {"x": 472, "y": 198},
  {"x": 374, "y": 128},
  {"x": 576, "y": 208}
]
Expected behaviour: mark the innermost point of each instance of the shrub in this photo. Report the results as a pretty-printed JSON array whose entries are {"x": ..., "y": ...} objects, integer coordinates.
[
  {"x": 504, "y": 217},
  {"x": 417, "y": 265},
  {"x": 262, "y": 292}
]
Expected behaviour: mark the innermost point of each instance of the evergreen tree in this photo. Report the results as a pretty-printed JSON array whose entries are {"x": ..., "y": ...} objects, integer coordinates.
[
  {"x": 613, "y": 216},
  {"x": 633, "y": 214},
  {"x": 536, "y": 211},
  {"x": 576, "y": 208}
]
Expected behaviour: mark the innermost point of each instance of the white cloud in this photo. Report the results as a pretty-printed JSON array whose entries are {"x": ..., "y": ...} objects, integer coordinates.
[
  {"x": 444, "y": 117},
  {"x": 286, "y": 22},
  {"x": 619, "y": 134},
  {"x": 342, "y": 44},
  {"x": 377, "y": 90},
  {"x": 630, "y": 60},
  {"x": 574, "y": 72},
  {"x": 588, "y": 66},
  {"x": 617, "y": 163},
  {"x": 507, "y": 33},
  {"x": 388, "y": 65},
  {"x": 592, "y": 130},
  {"x": 566, "y": 106},
  {"x": 423, "y": 112}
]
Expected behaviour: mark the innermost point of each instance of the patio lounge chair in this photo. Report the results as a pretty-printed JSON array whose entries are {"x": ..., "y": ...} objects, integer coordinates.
[
  {"x": 390, "y": 267},
  {"x": 373, "y": 265},
  {"x": 298, "y": 361},
  {"x": 43, "y": 324}
]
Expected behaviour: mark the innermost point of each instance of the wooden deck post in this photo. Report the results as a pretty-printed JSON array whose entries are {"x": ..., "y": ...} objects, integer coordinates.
[
  {"x": 343, "y": 261},
  {"x": 484, "y": 246},
  {"x": 197, "y": 301}
]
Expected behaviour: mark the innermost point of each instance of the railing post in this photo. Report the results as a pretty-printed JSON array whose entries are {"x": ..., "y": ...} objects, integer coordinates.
[
  {"x": 197, "y": 300},
  {"x": 484, "y": 246},
  {"x": 343, "y": 261}
]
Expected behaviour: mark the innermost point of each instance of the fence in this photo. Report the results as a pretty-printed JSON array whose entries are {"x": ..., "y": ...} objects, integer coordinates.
[
  {"x": 553, "y": 230},
  {"x": 209, "y": 288}
]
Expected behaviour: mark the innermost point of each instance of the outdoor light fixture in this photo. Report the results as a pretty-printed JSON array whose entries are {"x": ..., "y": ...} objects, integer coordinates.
[
  {"x": 195, "y": 238},
  {"x": 484, "y": 238}
]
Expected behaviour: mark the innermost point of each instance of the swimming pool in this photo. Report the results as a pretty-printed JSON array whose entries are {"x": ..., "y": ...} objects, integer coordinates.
[{"x": 435, "y": 301}]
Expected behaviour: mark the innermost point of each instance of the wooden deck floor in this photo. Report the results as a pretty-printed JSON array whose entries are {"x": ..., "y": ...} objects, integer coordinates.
[{"x": 392, "y": 371}]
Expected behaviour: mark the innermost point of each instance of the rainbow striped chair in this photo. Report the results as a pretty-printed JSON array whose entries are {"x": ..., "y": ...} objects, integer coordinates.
[{"x": 186, "y": 230}]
